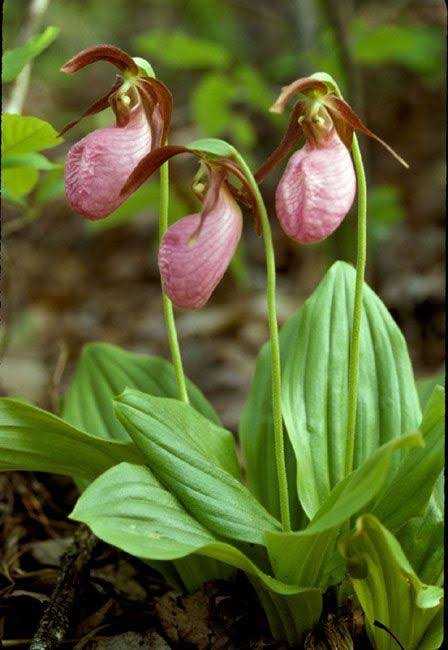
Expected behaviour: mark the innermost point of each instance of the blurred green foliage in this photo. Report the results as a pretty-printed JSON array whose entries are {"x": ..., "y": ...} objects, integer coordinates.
[
  {"x": 22, "y": 137},
  {"x": 180, "y": 50},
  {"x": 13, "y": 61}
]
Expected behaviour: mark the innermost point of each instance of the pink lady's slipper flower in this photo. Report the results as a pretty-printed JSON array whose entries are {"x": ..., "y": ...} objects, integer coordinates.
[
  {"x": 196, "y": 251},
  {"x": 98, "y": 166},
  {"x": 318, "y": 186}
]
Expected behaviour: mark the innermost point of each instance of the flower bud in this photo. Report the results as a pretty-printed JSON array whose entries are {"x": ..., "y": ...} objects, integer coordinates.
[
  {"x": 196, "y": 251},
  {"x": 316, "y": 190},
  {"x": 98, "y": 166}
]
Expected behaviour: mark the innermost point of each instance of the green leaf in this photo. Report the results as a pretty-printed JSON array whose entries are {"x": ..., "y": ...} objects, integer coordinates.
[
  {"x": 315, "y": 384},
  {"x": 389, "y": 591},
  {"x": 409, "y": 491},
  {"x": 129, "y": 503},
  {"x": 256, "y": 433},
  {"x": 358, "y": 489},
  {"x": 103, "y": 372},
  {"x": 18, "y": 182},
  {"x": 24, "y": 134},
  {"x": 33, "y": 160},
  {"x": 422, "y": 540},
  {"x": 178, "y": 49},
  {"x": 301, "y": 558},
  {"x": 211, "y": 103},
  {"x": 128, "y": 507},
  {"x": 252, "y": 88},
  {"x": 418, "y": 47},
  {"x": 426, "y": 385},
  {"x": 32, "y": 439},
  {"x": 13, "y": 61},
  {"x": 170, "y": 439},
  {"x": 214, "y": 442}
]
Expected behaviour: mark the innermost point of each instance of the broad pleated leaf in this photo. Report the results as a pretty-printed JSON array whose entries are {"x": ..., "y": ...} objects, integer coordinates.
[
  {"x": 300, "y": 558},
  {"x": 389, "y": 591},
  {"x": 128, "y": 507},
  {"x": 103, "y": 372},
  {"x": 315, "y": 384},
  {"x": 423, "y": 543},
  {"x": 356, "y": 491},
  {"x": 256, "y": 434},
  {"x": 32, "y": 439},
  {"x": 173, "y": 451},
  {"x": 425, "y": 386},
  {"x": 409, "y": 492}
]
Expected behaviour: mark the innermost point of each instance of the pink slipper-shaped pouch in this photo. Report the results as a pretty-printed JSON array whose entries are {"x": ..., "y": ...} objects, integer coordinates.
[
  {"x": 316, "y": 190},
  {"x": 98, "y": 166},
  {"x": 194, "y": 256}
]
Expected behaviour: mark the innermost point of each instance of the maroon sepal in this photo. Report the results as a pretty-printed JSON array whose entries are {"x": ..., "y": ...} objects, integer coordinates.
[
  {"x": 340, "y": 110},
  {"x": 109, "y": 53}
]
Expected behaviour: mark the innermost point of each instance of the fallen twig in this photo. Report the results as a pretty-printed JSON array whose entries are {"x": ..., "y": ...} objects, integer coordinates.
[{"x": 57, "y": 616}]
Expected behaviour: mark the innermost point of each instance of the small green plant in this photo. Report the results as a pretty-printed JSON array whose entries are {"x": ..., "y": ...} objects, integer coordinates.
[{"x": 343, "y": 472}]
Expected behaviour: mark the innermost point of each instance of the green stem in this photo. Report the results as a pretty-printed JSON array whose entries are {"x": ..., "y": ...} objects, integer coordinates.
[
  {"x": 353, "y": 369},
  {"x": 274, "y": 348},
  {"x": 167, "y": 305}
]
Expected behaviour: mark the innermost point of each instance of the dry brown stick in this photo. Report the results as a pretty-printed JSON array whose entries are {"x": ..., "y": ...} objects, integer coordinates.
[{"x": 56, "y": 620}]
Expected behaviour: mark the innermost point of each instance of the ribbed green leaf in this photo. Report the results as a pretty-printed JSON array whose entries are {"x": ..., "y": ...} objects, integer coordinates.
[
  {"x": 301, "y": 558},
  {"x": 127, "y": 507},
  {"x": 315, "y": 384},
  {"x": 408, "y": 493},
  {"x": 389, "y": 591},
  {"x": 173, "y": 451},
  {"x": 356, "y": 491},
  {"x": 128, "y": 503},
  {"x": 32, "y": 439},
  {"x": 256, "y": 434},
  {"x": 426, "y": 385},
  {"x": 423, "y": 544},
  {"x": 103, "y": 372},
  {"x": 307, "y": 558}
]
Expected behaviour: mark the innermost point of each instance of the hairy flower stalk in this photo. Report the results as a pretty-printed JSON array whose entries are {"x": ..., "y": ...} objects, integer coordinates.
[
  {"x": 196, "y": 251},
  {"x": 318, "y": 188}
]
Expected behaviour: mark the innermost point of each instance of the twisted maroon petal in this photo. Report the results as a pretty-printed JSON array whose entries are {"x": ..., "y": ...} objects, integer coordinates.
[
  {"x": 98, "y": 166},
  {"x": 316, "y": 190},
  {"x": 97, "y": 107},
  {"x": 193, "y": 260}
]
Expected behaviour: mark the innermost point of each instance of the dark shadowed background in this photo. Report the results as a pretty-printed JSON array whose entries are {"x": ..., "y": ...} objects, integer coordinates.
[{"x": 66, "y": 281}]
